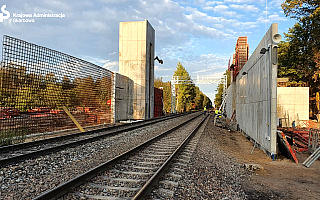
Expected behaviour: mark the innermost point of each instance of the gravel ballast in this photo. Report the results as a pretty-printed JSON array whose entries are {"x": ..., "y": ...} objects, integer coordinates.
[
  {"x": 28, "y": 179},
  {"x": 211, "y": 173}
]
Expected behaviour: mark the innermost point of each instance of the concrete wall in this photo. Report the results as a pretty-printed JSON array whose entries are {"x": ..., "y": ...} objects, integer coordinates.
[
  {"x": 293, "y": 104},
  {"x": 136, "y": 60},
  {"x": 231, "y": 99},
  {"x": 256, "y": 95},
  {"x": 123, "y": 99}
]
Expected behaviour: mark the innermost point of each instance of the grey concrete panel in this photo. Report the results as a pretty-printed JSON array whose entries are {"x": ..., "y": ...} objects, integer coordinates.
[
  {"x": 292, "y": 104},
  {"x": 256, "y": 95},
  {"x": 123, "y": 109}
]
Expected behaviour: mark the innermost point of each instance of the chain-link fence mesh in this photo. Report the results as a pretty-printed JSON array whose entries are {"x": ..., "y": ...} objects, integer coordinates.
[{"x": 36, "y": 82}]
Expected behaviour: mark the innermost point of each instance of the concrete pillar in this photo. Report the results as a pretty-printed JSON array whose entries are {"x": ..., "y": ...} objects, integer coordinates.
[{"x": 136, "y": 61}]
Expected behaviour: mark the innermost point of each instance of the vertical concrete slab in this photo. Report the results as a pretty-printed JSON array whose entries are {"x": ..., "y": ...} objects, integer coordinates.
[
  {"x": 136, "y": 60},
  {"x": 256, "y": 95},
  {"x": 123, "y": 99},
  {"x": 292, "y": 104}
]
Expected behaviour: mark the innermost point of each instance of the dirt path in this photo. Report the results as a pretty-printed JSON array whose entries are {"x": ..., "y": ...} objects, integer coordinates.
[{"x": 280, "y": 179}]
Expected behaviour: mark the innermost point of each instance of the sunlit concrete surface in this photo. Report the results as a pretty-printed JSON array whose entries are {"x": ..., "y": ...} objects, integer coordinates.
[
  {"x": 124, "y": 87},
  {"x": 292, "y": 104},
  {"x": 256, "y": 95},
  {"x": 136, "y": 61}
]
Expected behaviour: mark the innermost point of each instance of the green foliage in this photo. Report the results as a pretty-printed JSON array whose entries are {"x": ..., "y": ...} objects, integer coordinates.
[
  {"x": 8, "y": 137},
  {"x": 218, "y": 97},
  {"x": 189, "y": 97},
  {"x": 300, "y": 8},
  {"x": 166, "y": 93},
  {"x": 299, "y": 55},
  {"x": 185, "y": 92},
  {"x": 24, "y": 91}
]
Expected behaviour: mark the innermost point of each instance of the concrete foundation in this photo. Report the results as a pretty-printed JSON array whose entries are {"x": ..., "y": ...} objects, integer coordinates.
[{"x": 136, "y": 61}]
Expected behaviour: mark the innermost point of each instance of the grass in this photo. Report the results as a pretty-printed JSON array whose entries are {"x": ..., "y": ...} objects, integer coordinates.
[{"x": 8, "y": 137}]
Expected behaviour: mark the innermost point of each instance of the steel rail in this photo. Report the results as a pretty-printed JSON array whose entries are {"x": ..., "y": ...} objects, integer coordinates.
[
  {"x": 79, "y": 180},
  {"x": 45, "y": 151},
  {"x": 64, "y": 137},
  {"x": 147, "y": 188}
]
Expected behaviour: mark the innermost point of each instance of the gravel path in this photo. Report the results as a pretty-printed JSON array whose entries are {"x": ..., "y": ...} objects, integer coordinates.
[
  {"x": 28, "y": 179},
  {"x": 211, "y": 174}
]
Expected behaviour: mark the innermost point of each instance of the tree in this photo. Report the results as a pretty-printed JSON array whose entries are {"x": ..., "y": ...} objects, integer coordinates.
[
  {"x": 307, "y": 12},
  {"x": 185, "y": 92},
  {"x": 300, "y": 8},
  {"x": 166, "y": 93},
  {"x": 199, "y": 98},
  {"x": 299, "y": 55},
  {"x": 218, "y": 97},
  {"x": 296, "y": 56},
  {"x": 188, "y": 95}
]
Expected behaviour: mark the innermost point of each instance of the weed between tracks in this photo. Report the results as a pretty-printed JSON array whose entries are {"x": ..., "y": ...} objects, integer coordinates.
[{"x": 8, "y": 137}]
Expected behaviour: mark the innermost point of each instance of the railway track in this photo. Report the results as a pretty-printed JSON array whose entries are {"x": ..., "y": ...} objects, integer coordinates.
[
  {"x": 18, "y": 152},
  {"x": 168, "y": 184},
  {"x": 132, "y": 174}
]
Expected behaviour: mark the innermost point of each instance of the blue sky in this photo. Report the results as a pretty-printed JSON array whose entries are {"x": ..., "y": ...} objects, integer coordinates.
[{"x": 200, "y": 34}]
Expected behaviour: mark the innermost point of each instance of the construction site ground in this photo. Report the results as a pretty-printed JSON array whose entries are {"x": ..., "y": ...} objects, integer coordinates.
[{"x": 279, "y": 179}]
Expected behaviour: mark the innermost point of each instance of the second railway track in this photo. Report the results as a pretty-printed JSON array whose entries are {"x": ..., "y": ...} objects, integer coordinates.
[
  {"x": 18, "y": 152},
  {"x": 131, "y": 174},
  {"x": 29, "y": 178}
]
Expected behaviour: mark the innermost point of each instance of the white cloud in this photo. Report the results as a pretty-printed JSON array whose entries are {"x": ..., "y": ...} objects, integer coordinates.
[
  {"x": 245, "y": 7},
  {"x": 190, "y": 9},
  {"x": 207, "y": 64},
  {"x": 112, "y": 66},
  {"x": 61, "y": 5},
  {"x": 276, "y": 17},
  {"x": 91, "y": 26},
  {"x": 220, "y": 8},
  {"x": 243, "y": 1},
  {"x": 224, "y": 10},
  {"x": 211, "y": 3},
  {"x": 208, "y": 8},
  {"x": 158, "y": 68}
]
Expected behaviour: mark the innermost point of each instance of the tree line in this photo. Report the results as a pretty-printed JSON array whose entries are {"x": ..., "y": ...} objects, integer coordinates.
[
  {"x": 24, "y": 91},
  {"x": 299, "y": 54},
  {"x": 188, "y": 96}
]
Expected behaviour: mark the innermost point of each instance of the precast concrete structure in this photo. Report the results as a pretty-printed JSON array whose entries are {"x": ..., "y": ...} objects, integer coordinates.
[
  {"x": 292, "y": 105},
  {"x": 136, "y": 61},
  {"x": 255, "y": 94},
  {"x": 123, "y": 98}
]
